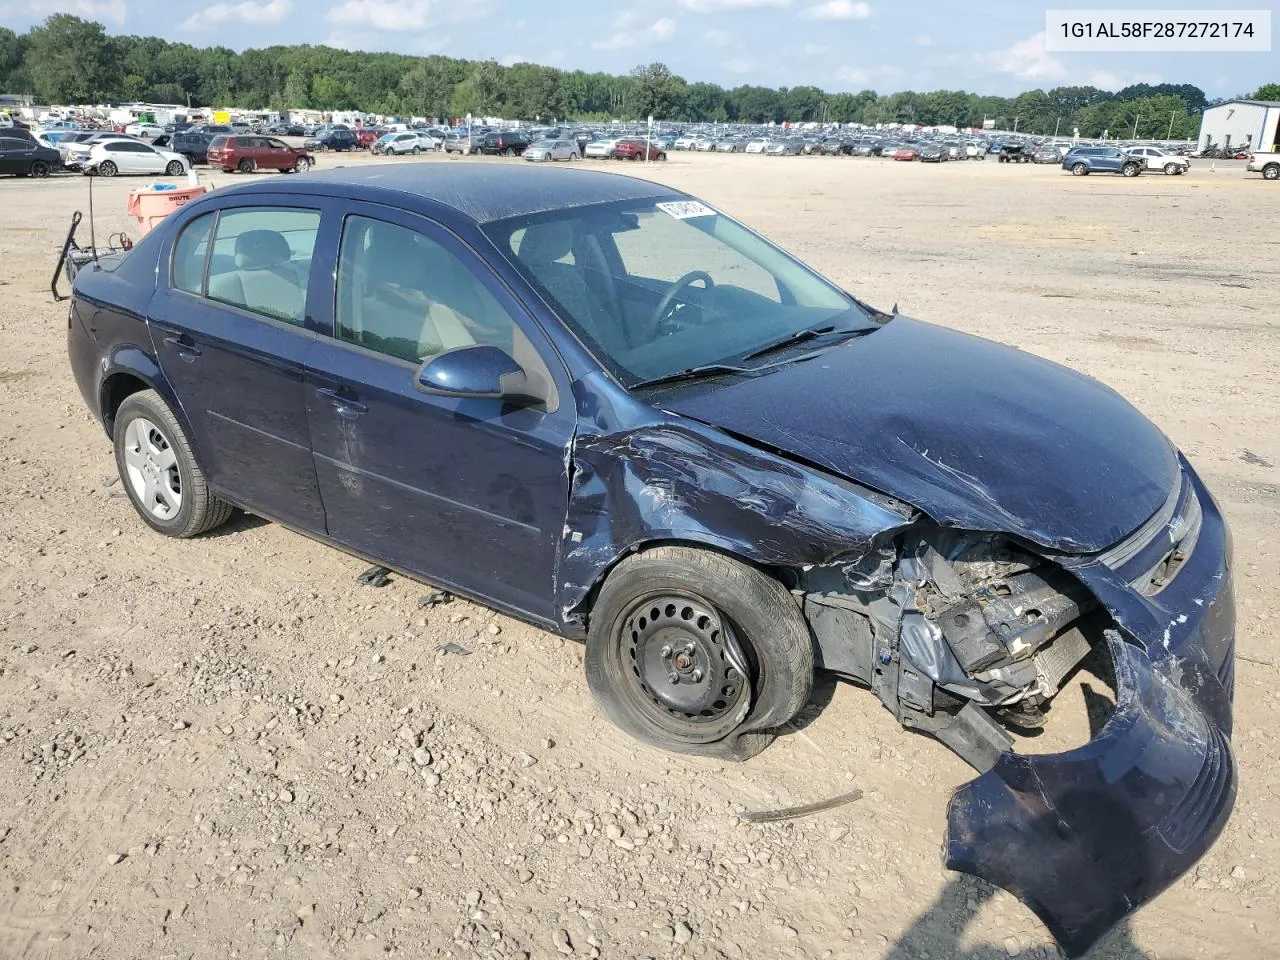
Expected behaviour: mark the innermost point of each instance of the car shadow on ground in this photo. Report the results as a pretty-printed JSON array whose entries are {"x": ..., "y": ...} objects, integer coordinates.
[{"x": 240, "y": 522}]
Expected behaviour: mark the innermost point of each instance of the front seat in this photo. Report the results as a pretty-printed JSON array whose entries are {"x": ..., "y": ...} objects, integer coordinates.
[
  {"x": 265, "y": 279},
  {"x": 542, "y": 249}
]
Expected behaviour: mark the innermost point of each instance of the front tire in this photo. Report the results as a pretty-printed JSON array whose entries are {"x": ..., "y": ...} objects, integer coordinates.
[
  {"x": 1130, "y": 170},
  {"x": 1172, "y": 168},
  {"x": 732, "y": 637},
  {"x": 159, "y": 471},
  {"x": 416, "y": 151},
  {"x": 1080, "y": 169},
  {"x": 301, "y": 165},
  {"x": 107, "y": 168}
]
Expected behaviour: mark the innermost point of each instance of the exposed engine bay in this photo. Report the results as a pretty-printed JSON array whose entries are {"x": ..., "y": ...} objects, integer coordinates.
[{"x": 942, "y": 623}]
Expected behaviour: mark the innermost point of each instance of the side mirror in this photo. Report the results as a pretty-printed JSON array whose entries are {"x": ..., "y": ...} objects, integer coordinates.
[{"x": 477, "y": 372}]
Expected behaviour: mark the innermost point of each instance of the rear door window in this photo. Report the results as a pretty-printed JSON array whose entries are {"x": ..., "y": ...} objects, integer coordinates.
[{"x": 261, "y": 260}]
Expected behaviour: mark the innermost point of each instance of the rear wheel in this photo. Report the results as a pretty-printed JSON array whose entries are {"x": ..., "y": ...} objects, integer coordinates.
[
  {"x": 38, "y": 168},
  {"x": 698, "y": 653},
  {"x": 159, "y": 471},
  {"x": 175, "y": 168},
  {"x": 416, "y": 151},
  {"x": 1080, "y": 169},
  {"x": 245, "y": 166}
]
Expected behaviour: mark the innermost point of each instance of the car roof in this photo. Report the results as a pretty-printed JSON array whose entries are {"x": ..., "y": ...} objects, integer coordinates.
[{"x": 482, "y": 193}]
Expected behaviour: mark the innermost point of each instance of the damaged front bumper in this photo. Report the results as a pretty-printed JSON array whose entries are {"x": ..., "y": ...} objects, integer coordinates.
[{"x": 1083, "y": 838}]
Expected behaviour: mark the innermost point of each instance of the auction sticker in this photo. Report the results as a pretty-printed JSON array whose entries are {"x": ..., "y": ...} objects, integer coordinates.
[{"x": 685, "y": 209}]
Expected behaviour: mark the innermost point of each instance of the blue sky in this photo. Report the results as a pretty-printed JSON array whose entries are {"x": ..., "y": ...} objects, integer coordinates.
[{"x": 988, "y": 46}]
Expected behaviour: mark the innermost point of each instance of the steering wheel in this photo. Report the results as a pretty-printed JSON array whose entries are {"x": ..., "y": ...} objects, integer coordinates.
[{"x": 668, "y": 299}]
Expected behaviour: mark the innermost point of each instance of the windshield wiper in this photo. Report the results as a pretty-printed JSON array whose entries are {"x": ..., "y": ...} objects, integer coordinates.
[
  {"x": 692, "y": 373},
  {"x": 809, "y": 333}
]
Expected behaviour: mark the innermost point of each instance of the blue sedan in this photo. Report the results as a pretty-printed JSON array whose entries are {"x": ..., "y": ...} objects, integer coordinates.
[{"x": 608, "y": 408}]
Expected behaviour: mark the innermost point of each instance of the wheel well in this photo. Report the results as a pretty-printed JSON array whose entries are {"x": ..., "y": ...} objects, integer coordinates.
[
  {"x": 582, "y": 611},
  {"x": 115, "y": 390}
]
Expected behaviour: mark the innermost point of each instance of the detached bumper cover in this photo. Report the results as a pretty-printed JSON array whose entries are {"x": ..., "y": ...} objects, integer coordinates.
[{"x": 1084, "y": 838}]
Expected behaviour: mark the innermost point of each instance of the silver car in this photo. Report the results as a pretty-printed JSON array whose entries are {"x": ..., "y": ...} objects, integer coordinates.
[{"x": 552, "y": 150}]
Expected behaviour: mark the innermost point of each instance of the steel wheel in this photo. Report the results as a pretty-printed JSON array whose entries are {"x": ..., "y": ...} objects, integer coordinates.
[
  {"x": 152, "y": 469},
  {"x": 689, "y": 675}
]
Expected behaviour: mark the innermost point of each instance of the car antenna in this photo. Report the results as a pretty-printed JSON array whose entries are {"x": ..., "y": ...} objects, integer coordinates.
[{"x": 93, "y": 239}]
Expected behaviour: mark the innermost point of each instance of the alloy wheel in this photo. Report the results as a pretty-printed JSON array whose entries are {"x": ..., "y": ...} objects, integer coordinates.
[{"x": 152, "y": 468}]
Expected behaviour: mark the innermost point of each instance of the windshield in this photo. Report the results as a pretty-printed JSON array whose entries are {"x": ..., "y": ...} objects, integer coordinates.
[{"x": 655, "y": 288}]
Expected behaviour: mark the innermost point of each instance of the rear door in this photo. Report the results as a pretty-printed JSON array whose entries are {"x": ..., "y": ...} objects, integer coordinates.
[
  {"x": 470, "y": 494},
  {"x": 231, "y": 326},
  {"x": 14, "y": 155}
]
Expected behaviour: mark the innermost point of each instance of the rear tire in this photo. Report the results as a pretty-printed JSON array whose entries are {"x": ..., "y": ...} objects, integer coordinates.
[
  {"x": 416, "y": 151},
  {"x": 38, "y": 169},
  {"x": 245, "y": 166},
  {"x": 743, "y": 654},
  {"x": 175, "y": 168},
  {"x": 1271, "y": 171},
  {"x": 198, "y": 510}
]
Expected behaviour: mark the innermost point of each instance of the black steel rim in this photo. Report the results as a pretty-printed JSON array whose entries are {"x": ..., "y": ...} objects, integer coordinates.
[{"x": 684, "y": 668}]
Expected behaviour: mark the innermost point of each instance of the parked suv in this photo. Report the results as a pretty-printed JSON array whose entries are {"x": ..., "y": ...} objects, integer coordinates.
[
  {"x": 192, "y": 144},
  {"x": 633, "y": 148},
  {"x": 333, "y": 139},
  {"x": 1083, "y": 161},
  {"x": 250, "y": 153},
  {"x": 509, "y": 142}
]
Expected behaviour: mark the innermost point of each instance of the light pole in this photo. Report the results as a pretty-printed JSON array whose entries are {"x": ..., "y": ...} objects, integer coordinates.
[
  {"x": 1055, "y": 128},
  {"x": 1015, "y": 124},
  {"x": 1169, "y": 135},
  {"x": 1135, "y": 127}
]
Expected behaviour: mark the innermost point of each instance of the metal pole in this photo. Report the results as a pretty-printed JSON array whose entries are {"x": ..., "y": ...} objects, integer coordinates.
[
  {"x": 1172, "y": 114},
  {"x": 1135, "y": 127},
  {"x": 1055, "y": 128},
  {"x": 1015, "y": 124}
]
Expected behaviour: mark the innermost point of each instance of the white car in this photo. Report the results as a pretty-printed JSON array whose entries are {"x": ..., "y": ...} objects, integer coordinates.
[
  {"x": 552, "y": 150},
  {"x": 148, "y": 130},
  {"x": 684, "y": 143},
  {"x": 1267, "y": 164},
  {"x": 757, "y": 145},
  {"x": 108, "y": 158},
  {"x": 1158, "y": 159},
  {"x": 600, "y": 149}
]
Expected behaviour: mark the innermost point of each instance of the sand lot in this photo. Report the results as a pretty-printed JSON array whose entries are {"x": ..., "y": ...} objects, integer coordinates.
[{"x": 207, "y": 747}]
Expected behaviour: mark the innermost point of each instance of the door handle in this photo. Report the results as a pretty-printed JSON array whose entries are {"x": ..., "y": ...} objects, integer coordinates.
[
  {"x": 346, "y": 407},
  {"x": 187, "y": 350}
]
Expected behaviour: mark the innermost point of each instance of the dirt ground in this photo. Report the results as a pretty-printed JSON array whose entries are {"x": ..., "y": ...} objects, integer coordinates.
[{"x": 227, "y": 747}]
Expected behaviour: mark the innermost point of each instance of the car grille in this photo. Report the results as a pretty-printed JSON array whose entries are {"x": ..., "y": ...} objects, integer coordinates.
[
  {"x": 1212, "y": 788},
  {"x": 1152, "y": 555}
]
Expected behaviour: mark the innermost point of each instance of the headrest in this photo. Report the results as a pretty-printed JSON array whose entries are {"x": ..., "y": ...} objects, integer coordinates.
[
  {"x": 546, "y": 242},
  {"x": 261, "y": 250}
]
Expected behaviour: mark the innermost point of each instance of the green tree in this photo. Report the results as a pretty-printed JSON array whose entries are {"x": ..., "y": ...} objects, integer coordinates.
[
  {"x": 655, "y": 91},
  {"x": 1268, "y": 91},
  {"x": 70, "y": 60}
]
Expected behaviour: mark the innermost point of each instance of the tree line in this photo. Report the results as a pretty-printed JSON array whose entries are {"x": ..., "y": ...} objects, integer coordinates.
[{"x": 69, "y": 60}]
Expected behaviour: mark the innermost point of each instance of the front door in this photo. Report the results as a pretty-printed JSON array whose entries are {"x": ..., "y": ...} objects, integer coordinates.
[
  {"x": 229, "y": 326},
  {"x": 470, "y": 494}
]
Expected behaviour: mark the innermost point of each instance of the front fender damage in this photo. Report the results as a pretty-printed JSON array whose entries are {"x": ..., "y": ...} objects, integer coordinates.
[{"x": 1085, "y": 837}]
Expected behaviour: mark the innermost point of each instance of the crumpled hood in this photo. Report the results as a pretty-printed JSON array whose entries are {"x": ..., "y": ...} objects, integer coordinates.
[{"x": 975, "y": 434}]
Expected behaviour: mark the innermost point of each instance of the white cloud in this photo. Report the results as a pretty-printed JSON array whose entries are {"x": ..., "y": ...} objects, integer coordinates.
[
  {"x": 739, "y": 65},
  {"x": 661, "y": 29},
  {"x": 272, "y": 11},
  {"x": 1106, "y": 80},
  {"x": 860, "y": 77},
  {"x": 717, "y": 38},
  {"x": 390, "y": 15},
  {"x": 511, "y": 59},
  {"x": 719, "y": 6},
  {"x": 1027, "y": 60},
  {"x": 839, "y": 10},
  {"x": 114, "y": 10}
]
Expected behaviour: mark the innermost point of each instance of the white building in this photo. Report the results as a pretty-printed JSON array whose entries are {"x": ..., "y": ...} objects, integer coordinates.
[{"x": 1242, "y": 123}]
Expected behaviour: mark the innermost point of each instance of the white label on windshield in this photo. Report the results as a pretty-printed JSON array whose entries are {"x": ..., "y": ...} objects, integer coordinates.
[{"x": 685, "y": 209}]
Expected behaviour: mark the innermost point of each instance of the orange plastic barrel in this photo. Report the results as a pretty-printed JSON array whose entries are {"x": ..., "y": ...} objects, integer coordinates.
[{"x": 149, "y": 205}]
